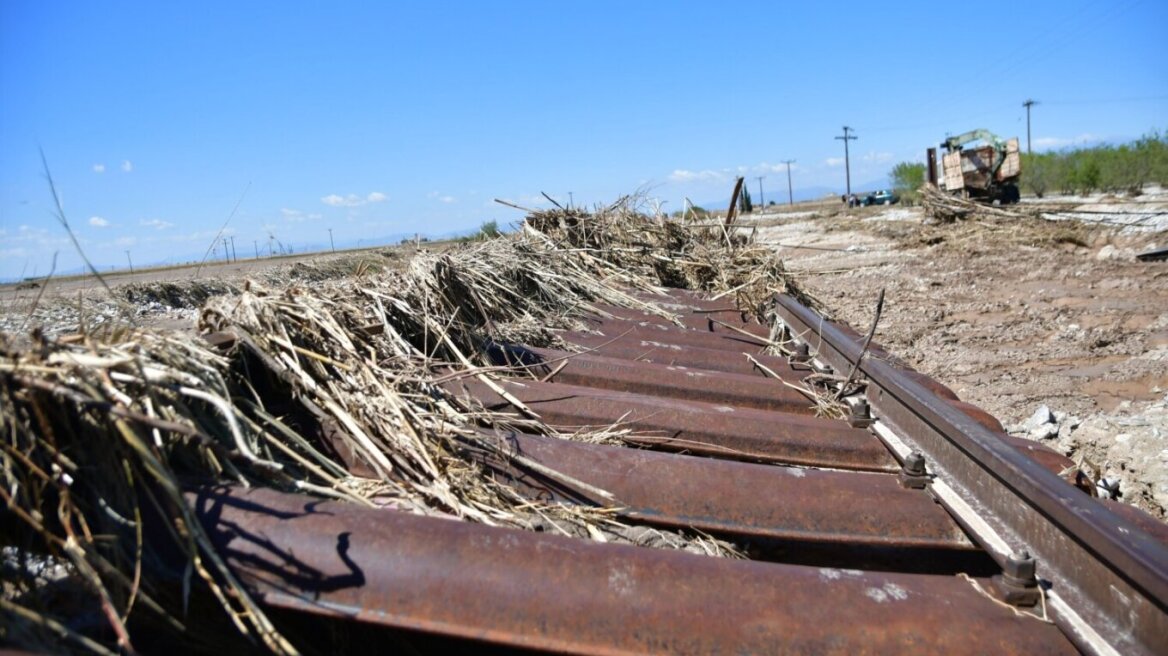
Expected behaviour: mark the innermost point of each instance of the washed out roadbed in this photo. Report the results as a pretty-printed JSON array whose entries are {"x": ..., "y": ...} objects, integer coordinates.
[{"x": 1052, "y": 326}]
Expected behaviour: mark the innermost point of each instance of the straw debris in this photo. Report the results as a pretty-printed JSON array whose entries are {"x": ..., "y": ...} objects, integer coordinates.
[{"x": 332, "y": 390}]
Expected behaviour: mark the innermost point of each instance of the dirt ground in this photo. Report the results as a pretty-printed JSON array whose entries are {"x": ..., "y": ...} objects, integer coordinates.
[{"x": 1053, "y": 327}]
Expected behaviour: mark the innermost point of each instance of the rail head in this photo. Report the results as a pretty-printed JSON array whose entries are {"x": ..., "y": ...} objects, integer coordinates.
[{"x": 1109, "y": 576}]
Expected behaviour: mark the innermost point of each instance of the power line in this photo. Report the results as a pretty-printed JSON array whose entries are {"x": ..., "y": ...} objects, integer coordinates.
[
  {"x": 1102, "y": 101},
  {"x": 970, "y": 118},
  {"x": 1028, "y": 104},
  {"x": 946, "y": 123},
  {"x": 790, "y": 197},
  {"x": 847, "y": 160},
  {"x": 1071, "y": 30},
  {"x": 761, "y": 198}
]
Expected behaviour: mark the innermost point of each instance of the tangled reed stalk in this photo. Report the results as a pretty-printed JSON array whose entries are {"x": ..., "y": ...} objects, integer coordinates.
[{"x": 331, "y": 390}]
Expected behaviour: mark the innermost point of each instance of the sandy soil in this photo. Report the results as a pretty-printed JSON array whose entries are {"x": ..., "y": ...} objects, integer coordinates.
[{"x": 1054, "y": 327}]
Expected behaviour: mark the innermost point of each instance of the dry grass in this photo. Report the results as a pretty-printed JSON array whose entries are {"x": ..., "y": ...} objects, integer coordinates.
[{"x": 329, "y": 389}]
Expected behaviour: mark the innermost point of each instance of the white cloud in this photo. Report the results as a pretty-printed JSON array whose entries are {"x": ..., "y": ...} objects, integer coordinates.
[
  {"x": 36, "y": 239},
  {"x": 98, "y": 222},
  {"x": 764, "y": 167},
  {"x": 877, "y": 158},
  {"x": 202, "y": 236},
  {"x": 442, "y": 198},
  {"x": 99, "y": 168},
  {"x": 353, "y": 200},
  {"x": 340, "y": 201},
  {"x": 127, "y": 166},
  {"x": 157, "y": 224},
  {"x": 682, "y": 175},
  {"x": 834, "y": 161},
  {"x": 729, "y": 173},
  {"x": 296, "y": 216},
  {"x": 125, "y": 242}
]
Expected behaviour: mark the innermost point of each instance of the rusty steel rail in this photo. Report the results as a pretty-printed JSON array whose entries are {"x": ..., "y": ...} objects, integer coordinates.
[
  {"x": 1106, "y": 579},
  {"x": 722, "y": 322},
  {"x": 695, "y": 426},
  {"x": 672, "y": 381},
  {"x": 664, "y": 332},
  {"x": 538, "y": 591},
  {"x": 742, "y": 500},
  {"x": 857, "y": 538},
  {"x": 662, "y": 350}
]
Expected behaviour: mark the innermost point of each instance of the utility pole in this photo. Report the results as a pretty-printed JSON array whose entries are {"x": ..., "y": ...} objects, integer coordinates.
[
  {"x": 571, "y": 201},
  {"x": 234, "y": 255},
  {"x": 256, "y": 243},
  {"x": 847, "y": 160},
  {"x": 331, "y": 244},
  {"x": 761, "y": 199},
  {"x": 790, "y": 197},
  {"x": 130, "y": 261},
  {"x": 1028, "y": 104},
  {"x": 226, "y": 253}
]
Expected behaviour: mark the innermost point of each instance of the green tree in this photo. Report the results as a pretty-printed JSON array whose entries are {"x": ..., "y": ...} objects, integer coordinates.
[
  {"x": 1113, "y": 169},
  {"x": 1089, "y": 172},
  {"x": 1036, "y": 172},
  {"x": 744, "y": 204},
  {"x": 488, "y": 230},
  {"x": 907, "y": 176}
]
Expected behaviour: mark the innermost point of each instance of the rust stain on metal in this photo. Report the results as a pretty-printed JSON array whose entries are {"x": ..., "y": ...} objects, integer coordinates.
[
  {"x": 694, "y": 426},
  {"x": 650, "y": 348},
  {"x": 673, "y": 381},
  {"x": 662, "y": 331},
  {"x": 747, "y": 500},
  {"x": 539, "y": 591}
]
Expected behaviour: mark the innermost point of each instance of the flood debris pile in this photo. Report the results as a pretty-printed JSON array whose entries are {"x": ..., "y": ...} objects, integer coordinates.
[
  {"x": 943, "y": 207},
  {"x": 703, "y": 254},
  {"x": 972, "y": 226},
  {"x": 336, "y": 390}
]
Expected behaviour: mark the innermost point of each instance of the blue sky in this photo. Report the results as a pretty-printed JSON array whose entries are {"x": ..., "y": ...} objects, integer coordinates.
[{"x": 375, "y": 119}]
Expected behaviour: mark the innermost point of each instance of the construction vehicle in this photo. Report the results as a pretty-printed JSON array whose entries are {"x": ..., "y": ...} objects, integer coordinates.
[{"x": 987, "y": 172}]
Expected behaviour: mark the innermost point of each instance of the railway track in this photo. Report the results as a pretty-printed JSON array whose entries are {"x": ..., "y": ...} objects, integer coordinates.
[{"x": 913, "y": 525}]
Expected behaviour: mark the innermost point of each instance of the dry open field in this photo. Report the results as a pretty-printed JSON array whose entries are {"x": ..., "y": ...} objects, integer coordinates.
[{"x": 1015, "y": 318}]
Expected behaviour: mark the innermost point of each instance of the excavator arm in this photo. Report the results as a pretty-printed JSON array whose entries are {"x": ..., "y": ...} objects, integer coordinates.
[{"x": 955, "y": 143}]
